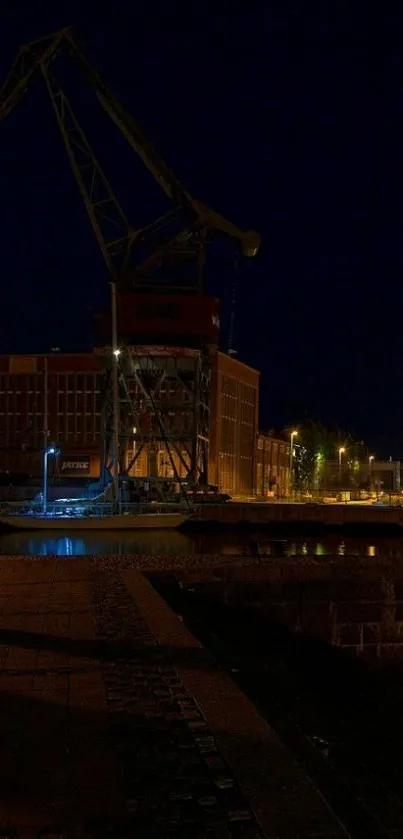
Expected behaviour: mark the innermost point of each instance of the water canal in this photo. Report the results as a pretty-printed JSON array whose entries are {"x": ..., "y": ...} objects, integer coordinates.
[
  {"x": 276, "y": 631},
  {"x": 206, "y": 541}
]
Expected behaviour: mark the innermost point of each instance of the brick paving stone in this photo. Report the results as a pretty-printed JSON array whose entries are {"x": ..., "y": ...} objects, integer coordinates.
[
  {"x": 166, "y": 779},
  {"x": 100, "y": 737},
  {"x": 58, "y": 770},
  {"x": 287, "y": 803}
]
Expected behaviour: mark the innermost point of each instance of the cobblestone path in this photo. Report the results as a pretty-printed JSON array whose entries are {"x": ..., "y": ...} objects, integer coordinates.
[{"x": 99, "y": 737}]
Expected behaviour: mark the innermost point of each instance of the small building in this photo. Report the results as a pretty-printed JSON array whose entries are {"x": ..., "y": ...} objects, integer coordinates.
[
  {"x": 375, "y": 475},
  {"x": 383, "y": 475},
  {"x": 272, "y": 467}
]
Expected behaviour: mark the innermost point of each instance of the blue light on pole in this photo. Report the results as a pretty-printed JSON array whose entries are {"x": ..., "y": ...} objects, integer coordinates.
[{"x": 46, "y": 453}]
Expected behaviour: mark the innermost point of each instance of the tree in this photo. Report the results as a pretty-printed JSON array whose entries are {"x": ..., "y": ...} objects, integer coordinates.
[{"x": 315, "y": 448}]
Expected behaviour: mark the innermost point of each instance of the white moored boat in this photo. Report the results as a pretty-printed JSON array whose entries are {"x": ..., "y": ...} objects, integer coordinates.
[{"x": 137, "y": 521}]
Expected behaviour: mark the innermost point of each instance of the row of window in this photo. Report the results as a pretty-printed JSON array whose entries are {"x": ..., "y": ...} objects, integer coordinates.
[
  {"x": 269, "y": 445},
  {"x": 84, "y": 383},
  {"x": 56, "y": 381},
  {"x": 234, "y": 388},
  {"x": 244, "y": 414}
]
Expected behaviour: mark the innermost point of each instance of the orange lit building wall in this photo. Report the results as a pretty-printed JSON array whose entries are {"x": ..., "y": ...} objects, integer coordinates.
[
  {"x": 234, "y": 424},
  {"x": 74, "y": 417},
  {"x": 73, "y": 410},
  {"x": 272, "y": 467}
]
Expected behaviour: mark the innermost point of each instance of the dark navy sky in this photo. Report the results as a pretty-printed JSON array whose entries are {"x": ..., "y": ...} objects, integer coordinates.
[{"x": 285, "y": 117}]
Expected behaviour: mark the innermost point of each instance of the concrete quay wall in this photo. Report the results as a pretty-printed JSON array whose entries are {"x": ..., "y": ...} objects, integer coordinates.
[{"x": 326, "y": 515}]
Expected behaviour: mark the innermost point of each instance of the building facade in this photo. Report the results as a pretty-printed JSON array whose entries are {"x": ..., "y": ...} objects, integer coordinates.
[
  {"x": 374, "y": 475},
  {"x": 71, "y": 402},
  {"x": 384, "y": 475},
  {"x": 272, "y": 467},
  {"x": 234, "y": 415},
  {"x": 65, "y": 393}
]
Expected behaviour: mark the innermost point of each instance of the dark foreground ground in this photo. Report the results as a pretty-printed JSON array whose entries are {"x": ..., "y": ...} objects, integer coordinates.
[{"x": 114, "y": 721}]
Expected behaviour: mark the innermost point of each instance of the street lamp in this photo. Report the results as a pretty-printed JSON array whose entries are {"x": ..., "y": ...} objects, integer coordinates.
[
  {"x": 292, "y": 435},
  {"x": 341, "y": 452},
  {"x": 46, "y": 454},
  {"x": 134, "y": 445},
  {"x": 370, "y": 459}
]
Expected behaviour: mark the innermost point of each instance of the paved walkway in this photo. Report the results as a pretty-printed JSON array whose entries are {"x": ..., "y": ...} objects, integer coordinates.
[{"x": 115, "y": 722}]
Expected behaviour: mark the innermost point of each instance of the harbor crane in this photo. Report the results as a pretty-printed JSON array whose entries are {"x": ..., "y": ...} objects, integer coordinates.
[{"x": 135, "y": 257}]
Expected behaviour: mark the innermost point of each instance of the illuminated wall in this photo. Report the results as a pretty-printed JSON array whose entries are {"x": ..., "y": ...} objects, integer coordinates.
[
  {"x": 234, "y": 423},
  {"x": 73, "y": 409},
  {"x": 272, "y": 467},
  {"x": 74, "y": 417}
]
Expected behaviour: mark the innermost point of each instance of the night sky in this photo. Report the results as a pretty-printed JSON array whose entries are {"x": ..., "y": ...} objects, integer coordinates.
[{"x": 284, "y": 117}]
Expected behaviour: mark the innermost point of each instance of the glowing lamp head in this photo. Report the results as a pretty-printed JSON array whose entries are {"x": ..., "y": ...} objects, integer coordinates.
[
  {"x": 342, "y": 450},
  {"x": 51, "y": 451},
  {"x": 250, "y": 243},
  {"x": 117, "y": 353}
]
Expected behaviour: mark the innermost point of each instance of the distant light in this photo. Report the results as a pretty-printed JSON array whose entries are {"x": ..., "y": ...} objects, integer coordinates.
[
  {"x": 117, "y": 353},
  {"x": 371, "y": 458},
  {"x": 134, "y": 430},
  {"x": 51, "y": 451},
  {"x": 342, "y": 450}
]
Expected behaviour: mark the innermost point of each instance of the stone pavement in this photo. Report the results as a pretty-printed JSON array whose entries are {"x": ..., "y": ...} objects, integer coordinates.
[{"x": 115, "y": 722}]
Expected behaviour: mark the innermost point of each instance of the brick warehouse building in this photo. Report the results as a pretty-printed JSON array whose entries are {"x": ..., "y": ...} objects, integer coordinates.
[
  {"x": 74, "y": 406},
  {"x": 234, "y": 422},
  {"x": 272, "y": 467}
]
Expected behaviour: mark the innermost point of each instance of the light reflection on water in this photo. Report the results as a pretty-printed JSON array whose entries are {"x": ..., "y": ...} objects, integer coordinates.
[{"x": 71, "y": 543}]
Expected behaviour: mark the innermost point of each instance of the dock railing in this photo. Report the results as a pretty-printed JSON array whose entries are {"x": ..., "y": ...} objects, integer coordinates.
[{"x": 85, "y": 507}]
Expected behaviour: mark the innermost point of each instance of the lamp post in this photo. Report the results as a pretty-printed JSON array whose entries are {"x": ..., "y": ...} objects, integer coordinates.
[
  {"x": 370, "y": 459},
  {"x": 134, "y": 446},
  {"x": 292, "y": 435},
  {"x": 341, "y": 452},
  {"x": 46, "y": 454},
  {"x": 116, "y": 406}
]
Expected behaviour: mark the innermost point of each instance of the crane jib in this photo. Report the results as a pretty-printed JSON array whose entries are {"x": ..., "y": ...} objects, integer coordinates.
[{"x": 35, "y": 59}]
